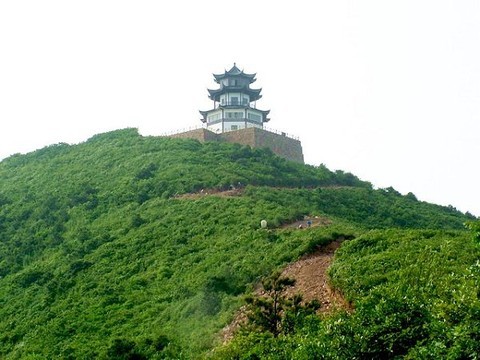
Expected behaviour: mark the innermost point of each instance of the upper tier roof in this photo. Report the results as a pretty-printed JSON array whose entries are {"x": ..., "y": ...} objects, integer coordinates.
[
  {"x": 234, "y": 72},
  {"x": 254, "y": 94}
]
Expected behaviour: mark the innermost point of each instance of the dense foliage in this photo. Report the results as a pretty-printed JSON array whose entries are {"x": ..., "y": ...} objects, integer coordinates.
[
  {"x": 42, "y": 192},
  {"x": 416, "y": 295},
  {"x": 99, "y": 257},
  {"x": 474, "y": 226},
  {"x": 372, "y": 209}
]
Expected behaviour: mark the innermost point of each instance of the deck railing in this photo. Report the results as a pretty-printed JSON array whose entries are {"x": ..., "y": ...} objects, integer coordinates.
[{"x": 179, "y": 131}]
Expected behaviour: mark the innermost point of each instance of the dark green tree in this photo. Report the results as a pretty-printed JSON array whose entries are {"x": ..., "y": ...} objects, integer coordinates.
[
  {"x": 123, "y": 349},
  {"x": 273, "y": 311}
]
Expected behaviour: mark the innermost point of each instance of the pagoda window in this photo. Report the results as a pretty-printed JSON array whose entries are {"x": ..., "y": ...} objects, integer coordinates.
[
  {"x": 235, "y": 115},
  {"x": 214, "y": 117},
  {"x": 234, "y": 100},
  {"x": 254, "y": 117}
]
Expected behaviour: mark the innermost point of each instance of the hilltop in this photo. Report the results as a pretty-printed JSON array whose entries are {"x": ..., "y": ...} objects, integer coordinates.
[{"x": 121, "y": 247}]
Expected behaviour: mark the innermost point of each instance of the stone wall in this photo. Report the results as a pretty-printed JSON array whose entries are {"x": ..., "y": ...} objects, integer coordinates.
[
  {"x": 280, "y": 144},
  {"x": 197, "y": 134},
  {"x": 242, "y": 136}
]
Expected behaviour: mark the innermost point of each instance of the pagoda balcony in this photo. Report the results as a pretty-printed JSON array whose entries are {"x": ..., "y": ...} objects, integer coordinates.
[
  {"x": 239, "y": 119},
  {"x": 234, "y": 104}
]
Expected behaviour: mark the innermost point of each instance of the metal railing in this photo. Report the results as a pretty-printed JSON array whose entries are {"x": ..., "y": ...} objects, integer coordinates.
[
  {"x": 180, "y": 131},
  {"x": 281, "y": 133}
]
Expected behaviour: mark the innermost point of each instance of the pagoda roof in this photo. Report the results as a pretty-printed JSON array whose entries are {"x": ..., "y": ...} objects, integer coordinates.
[
  {"x": 204, "y": 115},
  {"x": 264, "y": 112},
  {"x": 234, "y": 71},
  {"x": 253, "y": 93}
]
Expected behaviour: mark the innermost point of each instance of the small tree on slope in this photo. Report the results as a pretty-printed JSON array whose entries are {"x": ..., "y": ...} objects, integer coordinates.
[{"x": 274, "y": 311}]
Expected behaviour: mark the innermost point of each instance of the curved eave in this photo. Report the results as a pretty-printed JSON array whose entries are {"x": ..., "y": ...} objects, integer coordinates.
[
  {"x": 250, "y": 77},
  {"x": 212, "y": 94},
  {"x": 204, "y": 115},
  {"x": 264, "y": 114}
]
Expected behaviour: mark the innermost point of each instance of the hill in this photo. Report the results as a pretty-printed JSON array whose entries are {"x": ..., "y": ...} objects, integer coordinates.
[{"x": 102, "y": 256}]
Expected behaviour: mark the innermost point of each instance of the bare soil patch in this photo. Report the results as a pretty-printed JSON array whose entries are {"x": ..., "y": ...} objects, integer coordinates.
[{"x": 311, "y": 281}]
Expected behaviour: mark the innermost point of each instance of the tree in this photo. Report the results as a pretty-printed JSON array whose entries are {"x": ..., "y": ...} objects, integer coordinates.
[
  {"x": 123, "y": 349},
  {"x": 274, "y": 311}
]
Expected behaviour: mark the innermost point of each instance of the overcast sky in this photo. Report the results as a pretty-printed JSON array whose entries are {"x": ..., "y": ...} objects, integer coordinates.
[{"x": 387, "y": 90}]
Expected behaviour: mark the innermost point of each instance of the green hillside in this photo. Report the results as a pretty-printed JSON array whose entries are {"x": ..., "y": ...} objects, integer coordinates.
[{"x": 102, "y": 257}]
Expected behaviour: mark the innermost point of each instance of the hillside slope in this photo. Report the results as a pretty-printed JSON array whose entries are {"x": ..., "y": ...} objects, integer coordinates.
[
  {"x": 415, "y": 295},
  {"x": 100, "y": 257}
]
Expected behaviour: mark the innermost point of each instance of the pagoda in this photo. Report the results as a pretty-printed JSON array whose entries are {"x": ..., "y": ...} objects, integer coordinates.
[
  {"x": 236, "y": 119},
  {"x": 234, "y": 103}
]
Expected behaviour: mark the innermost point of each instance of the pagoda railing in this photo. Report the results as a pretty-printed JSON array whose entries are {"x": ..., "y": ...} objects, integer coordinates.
[
  {"x": 281, "y": 133},
  {"x": 238, "y": 103},
  {"x": 179, "y": 131}
]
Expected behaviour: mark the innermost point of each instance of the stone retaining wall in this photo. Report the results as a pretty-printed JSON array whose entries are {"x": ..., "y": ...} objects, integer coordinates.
[{"x": 282, "y": 145}]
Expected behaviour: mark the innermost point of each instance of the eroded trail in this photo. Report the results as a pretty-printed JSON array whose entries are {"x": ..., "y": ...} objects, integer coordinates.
[{"x": 311, "y": 281}]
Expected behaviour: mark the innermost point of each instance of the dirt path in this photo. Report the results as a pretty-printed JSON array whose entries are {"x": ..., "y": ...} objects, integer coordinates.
[
  {"x": 310, "y": 273},
  {"x": 238, "y": 191},
  {"x": 210, "y": 192},
  {"x": 311, "y": 279},
  {"x": 308, "y": 221}
]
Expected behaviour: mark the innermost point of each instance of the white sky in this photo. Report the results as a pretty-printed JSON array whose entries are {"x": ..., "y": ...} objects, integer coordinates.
[{"x": 388, "y": 90}]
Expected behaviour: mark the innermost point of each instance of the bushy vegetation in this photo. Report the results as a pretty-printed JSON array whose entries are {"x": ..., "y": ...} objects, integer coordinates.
[
  {"x": 99, "y": 258},
  {"x": 43, "y": 191},
  {"x": 371, "y": 209},
  {"x": 416, "y": 296}
]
